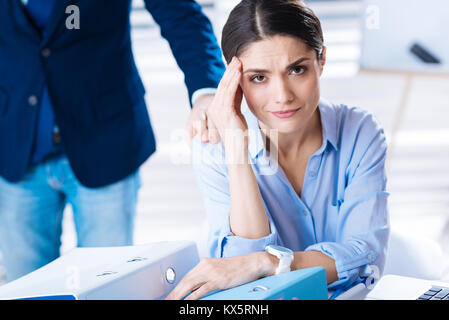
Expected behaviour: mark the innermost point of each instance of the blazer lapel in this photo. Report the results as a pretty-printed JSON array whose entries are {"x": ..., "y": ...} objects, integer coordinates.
[
  {"x": 21, "y": 18},
  {"x": 56, "y": 18}
]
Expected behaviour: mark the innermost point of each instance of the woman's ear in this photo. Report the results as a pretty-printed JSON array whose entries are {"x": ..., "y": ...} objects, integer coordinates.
[{"x": 322, "y": 59}]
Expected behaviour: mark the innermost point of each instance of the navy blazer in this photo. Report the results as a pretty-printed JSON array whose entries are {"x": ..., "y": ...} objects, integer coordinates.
[{"x": 94, "y": 85}]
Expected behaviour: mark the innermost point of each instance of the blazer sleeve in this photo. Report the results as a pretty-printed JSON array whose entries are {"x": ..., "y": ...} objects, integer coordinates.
[{"x": 192, "y": 41}]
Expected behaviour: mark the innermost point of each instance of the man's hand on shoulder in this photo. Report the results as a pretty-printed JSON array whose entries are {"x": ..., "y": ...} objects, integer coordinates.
[{"x": 198, "y": 122}]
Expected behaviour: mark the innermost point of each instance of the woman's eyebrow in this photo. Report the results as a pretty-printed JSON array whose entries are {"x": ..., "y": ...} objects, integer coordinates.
[
  {"x": 256, "y": 71},
  {"x": 290, "y": 66},
  {"x": 294, "y": 64}
]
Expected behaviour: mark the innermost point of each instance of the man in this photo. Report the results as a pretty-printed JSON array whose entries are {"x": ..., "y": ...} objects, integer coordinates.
[{"x": 74, "y": 127}]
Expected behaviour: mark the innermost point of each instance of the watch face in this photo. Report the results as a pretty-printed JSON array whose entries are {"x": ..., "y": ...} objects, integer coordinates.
[{"x": 281, "y": 249}]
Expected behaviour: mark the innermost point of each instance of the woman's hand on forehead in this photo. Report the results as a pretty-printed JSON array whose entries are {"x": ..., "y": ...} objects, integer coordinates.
[{"x": 225, "y": 110}]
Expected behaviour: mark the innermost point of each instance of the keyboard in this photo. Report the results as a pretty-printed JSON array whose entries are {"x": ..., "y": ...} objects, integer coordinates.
[{"x": 435, "y": 293}]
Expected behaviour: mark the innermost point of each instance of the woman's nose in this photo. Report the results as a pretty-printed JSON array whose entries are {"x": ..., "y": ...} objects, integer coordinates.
[{"x": 283, "y": 93}]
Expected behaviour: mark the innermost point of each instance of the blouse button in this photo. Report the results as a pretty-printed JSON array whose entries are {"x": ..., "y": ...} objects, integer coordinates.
[{"x": 312, "y": 174}]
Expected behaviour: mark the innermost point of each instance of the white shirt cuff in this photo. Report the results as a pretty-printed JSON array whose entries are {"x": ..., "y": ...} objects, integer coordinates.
[{"x": 198, "y": 93}]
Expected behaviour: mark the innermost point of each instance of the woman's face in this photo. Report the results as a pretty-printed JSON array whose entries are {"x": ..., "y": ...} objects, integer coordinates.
[{"x": 281, "y": 82}]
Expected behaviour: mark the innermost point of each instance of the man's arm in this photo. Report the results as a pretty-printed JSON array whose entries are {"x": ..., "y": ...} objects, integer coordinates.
[{"x": 192, "y": 41}]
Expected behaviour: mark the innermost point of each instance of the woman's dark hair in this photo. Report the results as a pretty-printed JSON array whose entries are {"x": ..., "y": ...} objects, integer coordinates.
[{"x": 255, "y": 20}]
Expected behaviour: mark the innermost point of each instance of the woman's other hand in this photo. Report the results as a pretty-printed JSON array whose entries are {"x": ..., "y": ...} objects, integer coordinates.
[{"x": 220, "y": 274}]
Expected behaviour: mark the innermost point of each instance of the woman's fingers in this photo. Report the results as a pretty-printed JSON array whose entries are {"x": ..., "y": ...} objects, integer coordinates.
[
  {"x": 183, "y": 288},
  {"x": 216, "y": 273},
  {"x": 193, "y": 281},
  {"x": 190, "y": 282},
  {"x": 231, "y": 78},
  {"x": 224, "y": 106},
  {"x": 200, "y": 292},
  {"x": 191, "y": 291},
  {"x": 238, "y": 100},
  {"x": 234, "y": 77},
  {"x": 230, "y": 70},
  {"x": 236, "y": 97}
]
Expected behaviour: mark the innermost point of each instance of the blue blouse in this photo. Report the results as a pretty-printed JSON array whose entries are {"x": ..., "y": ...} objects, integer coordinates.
[{"x": 342, "y": 210}]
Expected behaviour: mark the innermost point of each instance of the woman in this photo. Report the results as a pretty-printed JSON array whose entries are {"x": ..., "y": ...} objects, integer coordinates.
[{"x": 295, "y": 171}]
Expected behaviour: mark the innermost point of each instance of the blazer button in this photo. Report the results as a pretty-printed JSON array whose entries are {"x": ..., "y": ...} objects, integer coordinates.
[
  {"x": 32, "y": 101},
  {"x": 46, "y": 52},
  {"x": 56, "y": 137}
]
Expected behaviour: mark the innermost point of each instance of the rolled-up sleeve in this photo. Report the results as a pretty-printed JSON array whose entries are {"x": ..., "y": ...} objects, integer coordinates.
[
  {"x": 210, "y": 169},
  {"x": 363, "y": 226}
]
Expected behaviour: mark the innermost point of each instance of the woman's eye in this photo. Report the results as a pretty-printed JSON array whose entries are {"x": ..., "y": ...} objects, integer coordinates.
[
  {"x": 298, "y": 70},
  {"x": 258, "y": 79}
]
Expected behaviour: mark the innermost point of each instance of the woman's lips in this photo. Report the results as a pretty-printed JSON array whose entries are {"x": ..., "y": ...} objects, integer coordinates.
[{"x": 285, "y": 114}]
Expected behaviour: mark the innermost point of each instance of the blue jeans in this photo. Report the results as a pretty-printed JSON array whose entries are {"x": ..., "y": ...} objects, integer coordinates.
[{"x": 31, "y": 215}]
